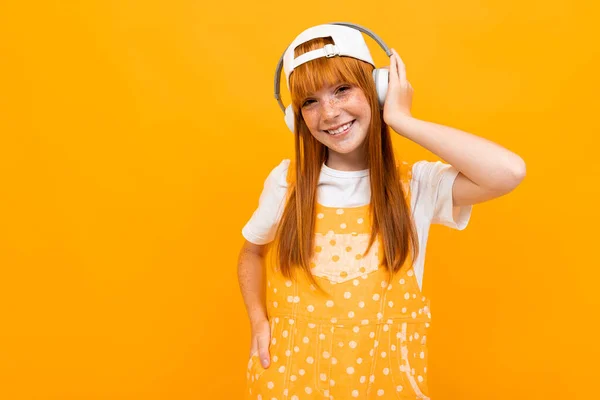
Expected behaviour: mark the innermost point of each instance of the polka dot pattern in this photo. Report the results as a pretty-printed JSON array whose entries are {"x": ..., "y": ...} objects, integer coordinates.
[{"x": 365, "y": 339}]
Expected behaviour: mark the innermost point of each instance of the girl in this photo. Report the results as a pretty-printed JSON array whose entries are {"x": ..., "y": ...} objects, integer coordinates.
[{"x": 338, "y": 311}]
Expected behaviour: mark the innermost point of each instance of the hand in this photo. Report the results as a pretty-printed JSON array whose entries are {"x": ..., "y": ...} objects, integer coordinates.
[
  {"x": 398, "y": 99},
  {"x": 261, "y": 337}
]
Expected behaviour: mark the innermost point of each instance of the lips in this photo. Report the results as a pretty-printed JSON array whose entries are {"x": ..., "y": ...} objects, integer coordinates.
[{"x": 339, "y": 126}]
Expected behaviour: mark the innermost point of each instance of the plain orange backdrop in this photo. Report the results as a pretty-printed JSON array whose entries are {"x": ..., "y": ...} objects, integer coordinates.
[{"x": 135, "y": 140}]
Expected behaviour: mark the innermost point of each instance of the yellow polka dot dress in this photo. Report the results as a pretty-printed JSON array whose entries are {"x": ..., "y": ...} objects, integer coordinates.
[{"x": 366, "y": 340}]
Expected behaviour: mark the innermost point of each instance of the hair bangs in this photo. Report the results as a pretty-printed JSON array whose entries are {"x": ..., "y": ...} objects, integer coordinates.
[{"x": 310, "y": 77}]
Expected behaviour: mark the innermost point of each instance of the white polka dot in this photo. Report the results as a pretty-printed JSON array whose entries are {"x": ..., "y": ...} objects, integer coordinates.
[
  {"x": 351, "y": 314},
  {"x": 372, "y": 378},
  {"x": 305, "y": 339},
  {"x": 364, "y": 322},
  {"x": 288, "y": 283},
  {"x": 282, "y": 369},
  {"x": 355, "y": 393},
  {"x": 375, "y": 296},
  {"x": 410, "y": 272},
  {"x": 422, "y": 355},
  {"x": 420, "y": 378},
  {"x": 402, "y": 281},
  {"x": 310, "y": 360},
  {"x": 383, "y": 354},
  {"x": 284, "y": 333},
  {"x": 359, "y": 360},
  {"x": 389, "y": 287},
  {"x": 379, "y": 315},
  {"x": 288, "y": 353},
  {"x": 407, "y": 295},
  {"x": 296, "y": 299},
  {"x": 343, "y": 226},
  {"x": 326, "y": 355},
  {"x": 274, "y": 341},
  {"x": 296, "y": 349},
  {"x": 322, "y": 336},
  {"x": 323, "y": 377},
  {"x": 403, "y": 309},
  {"x": 355, "y": 282},
  {"x": 339, "y": 211},
  {"x": 270, "y": 385},
  {"x": 355, "y": 329},
  {"x": 333, "y": 320},
  {"x": 380, "y": 392},
  {"x": 275, "y": 358},
  {"x": 372, "y": 335},
  {"x": 333, "y": 360},
  {"x": 399, "y": 388},
  {"x": 291, "y": 321},
  {"x": 329, "y": 303},
  {"x": 341, "y": 344},
  {"x": 393, "y": 347},
  {"x": 363, "y": 379},
  {"x": 310, "y": 308},
  {"x": 413, "y": 314},
  {"x": 352, "y": 344},
  {"x": 361, "y": 304},
  {"x": 347, "y": 295},
  {"x": 308, "y": 390},
  {"x": 320, "y": 215},
  {"x": 386, "y": 371},
  {"x": 390, "y": 303},
  {"x": 290, "y": 299},
  {"x": 293, "y": 379},
  {"x": 350, "y": 370},
  {"x": 331, "y": 382},
  {"x": 301, "y": 372},
  {"x": 386, "y": 327},
  {"x": 360, "y": 220}
]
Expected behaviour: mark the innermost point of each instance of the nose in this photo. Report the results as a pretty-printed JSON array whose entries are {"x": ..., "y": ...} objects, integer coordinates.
[{"x": 330, "y": 109}]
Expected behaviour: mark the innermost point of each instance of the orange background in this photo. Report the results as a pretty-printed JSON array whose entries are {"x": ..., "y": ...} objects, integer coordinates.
[{"x": 135, "y": 140}]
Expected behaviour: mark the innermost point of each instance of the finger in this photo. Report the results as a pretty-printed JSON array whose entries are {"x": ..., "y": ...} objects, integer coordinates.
[
  {"x": 393, "y": 74},
  {"x": 401, "y": 68},
  {"x": 263, "y": 350}
]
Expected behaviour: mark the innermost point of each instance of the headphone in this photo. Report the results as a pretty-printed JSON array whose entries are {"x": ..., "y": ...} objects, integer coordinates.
[{"x": 380, "y": 75}]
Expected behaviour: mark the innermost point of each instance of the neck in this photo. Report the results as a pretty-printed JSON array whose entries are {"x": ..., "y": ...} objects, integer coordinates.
[{"x": 354, "y": 161}]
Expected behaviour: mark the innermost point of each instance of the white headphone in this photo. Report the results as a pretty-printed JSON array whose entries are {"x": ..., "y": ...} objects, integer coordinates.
[{"x": 346, "y": 43}]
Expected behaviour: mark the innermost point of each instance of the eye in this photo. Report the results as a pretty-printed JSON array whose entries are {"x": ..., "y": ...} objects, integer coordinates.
[
  {"x": 307, "y": 102},
  {"x": 344, "y": 88}
]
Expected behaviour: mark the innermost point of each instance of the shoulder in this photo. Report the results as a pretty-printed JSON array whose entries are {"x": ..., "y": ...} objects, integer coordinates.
[
  {"x": 432, "y": 172},
  {"x": 278, "y": 175}
]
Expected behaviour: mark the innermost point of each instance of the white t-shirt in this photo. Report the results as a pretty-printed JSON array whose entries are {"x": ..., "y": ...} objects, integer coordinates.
[{"x": 431, "y": 201}]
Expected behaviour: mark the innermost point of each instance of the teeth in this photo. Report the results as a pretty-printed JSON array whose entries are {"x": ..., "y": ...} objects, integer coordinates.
[{"x": 340, "y": 129}]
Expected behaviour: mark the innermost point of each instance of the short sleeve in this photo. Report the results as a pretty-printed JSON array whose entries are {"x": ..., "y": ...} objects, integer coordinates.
[
  {"x": 431, "y": 186},
  {"x": 261, "y": 227}
]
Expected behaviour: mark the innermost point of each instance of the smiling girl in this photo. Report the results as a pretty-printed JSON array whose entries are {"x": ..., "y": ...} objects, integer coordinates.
[{"x": 337, "y": 310}]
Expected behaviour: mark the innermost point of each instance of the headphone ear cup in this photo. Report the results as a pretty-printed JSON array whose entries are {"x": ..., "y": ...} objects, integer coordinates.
[
  {"x": 381, "y": 78},
  {"x": 289, "y": 118}
]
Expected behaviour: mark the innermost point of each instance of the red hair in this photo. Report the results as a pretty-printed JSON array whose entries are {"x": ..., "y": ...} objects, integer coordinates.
[{"x": 389, "y": 212}]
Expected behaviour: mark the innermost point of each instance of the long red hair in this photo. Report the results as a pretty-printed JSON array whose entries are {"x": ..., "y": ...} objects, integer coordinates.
[{"x": 389, "y": 213}]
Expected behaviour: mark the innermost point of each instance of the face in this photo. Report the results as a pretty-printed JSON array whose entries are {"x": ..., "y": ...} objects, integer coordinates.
[{"x": 329, "y": 111}]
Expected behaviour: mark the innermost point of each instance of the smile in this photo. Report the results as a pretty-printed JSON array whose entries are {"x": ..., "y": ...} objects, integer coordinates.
[{"x": 341, "y": 130}]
